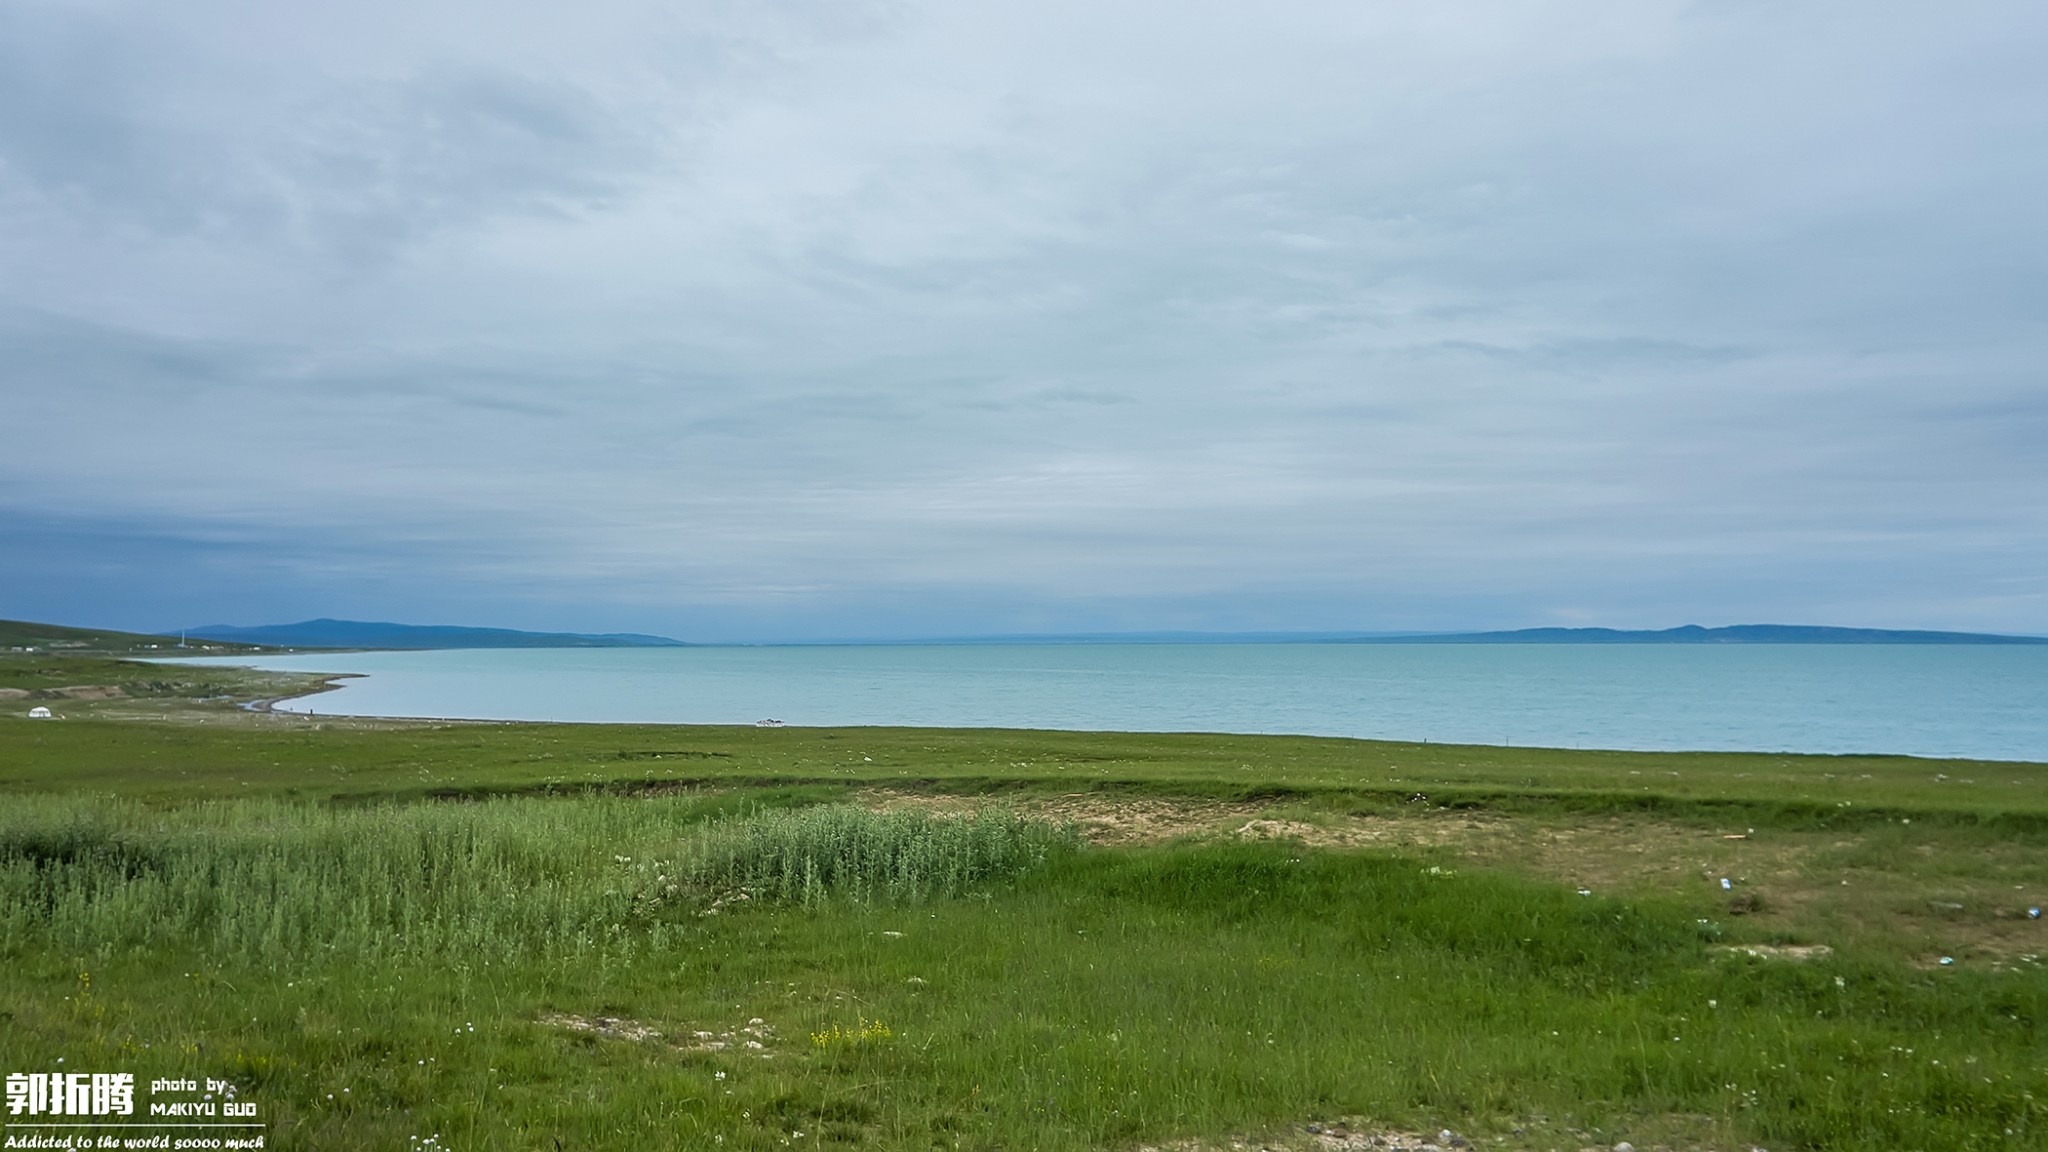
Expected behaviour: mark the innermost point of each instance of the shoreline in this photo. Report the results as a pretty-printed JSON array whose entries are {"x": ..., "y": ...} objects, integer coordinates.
[
  {"x": 1789, "y": 700},
  {"x": 267, "y": 705}
]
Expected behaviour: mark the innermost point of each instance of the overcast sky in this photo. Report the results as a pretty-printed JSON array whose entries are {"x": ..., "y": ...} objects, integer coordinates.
[{"x": 762, "y": 320}]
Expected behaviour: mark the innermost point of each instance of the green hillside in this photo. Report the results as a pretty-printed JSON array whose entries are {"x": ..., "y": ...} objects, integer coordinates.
[{"x": 19, "y": 636}]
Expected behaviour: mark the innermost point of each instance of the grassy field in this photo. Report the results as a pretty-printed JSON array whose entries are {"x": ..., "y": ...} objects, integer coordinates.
[
  {"x": 533, "y": 936},
  {"x": 23, "y": 636}
]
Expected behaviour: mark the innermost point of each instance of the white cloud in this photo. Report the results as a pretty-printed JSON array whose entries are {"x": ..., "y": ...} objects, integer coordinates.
[{"x": 1306, "y": 317}]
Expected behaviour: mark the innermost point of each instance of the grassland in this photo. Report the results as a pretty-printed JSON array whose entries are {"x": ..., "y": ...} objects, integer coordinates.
[
  {"x": 533, "y": 936},
  {"x": 24, "y": 636}
]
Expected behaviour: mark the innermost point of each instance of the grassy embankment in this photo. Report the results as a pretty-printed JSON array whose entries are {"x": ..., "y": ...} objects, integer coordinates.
[{"x": 299, "y": 906}]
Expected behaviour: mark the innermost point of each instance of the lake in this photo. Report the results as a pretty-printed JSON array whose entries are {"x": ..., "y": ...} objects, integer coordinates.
[{"x": 1929, "y": 700}]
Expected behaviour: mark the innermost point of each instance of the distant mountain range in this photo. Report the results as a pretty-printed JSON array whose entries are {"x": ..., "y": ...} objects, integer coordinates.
[
  {"x": 1181, "y": 637},
  {"x": 1694, "y": 634},
  {"x": 1688, "y": 634},
  {"x": 363, "y": 634}
]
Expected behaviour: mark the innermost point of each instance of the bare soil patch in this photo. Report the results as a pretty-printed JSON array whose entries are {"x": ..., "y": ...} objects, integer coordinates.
[
  {"x": 1105, "y": 820},
  {"x": 752, "y": 1038},
  {"x": 609, "y": 1027},
  {"x": 1359, "y": 1136},
  {"x": 1796, "y": 953},
  {"x": 82, "y": 692},
  {"x": 1921, "y": 896},
  {"x": 1125, "y": 820}
]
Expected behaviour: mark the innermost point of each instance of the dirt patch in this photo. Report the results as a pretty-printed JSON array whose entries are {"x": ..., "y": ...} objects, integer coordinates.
[
  {"x": 1121, "y": 820},
  {"x": 1357, "y": 831},
  {"x": 1320, "y": 1139},
  {"x": 937, "y": 803},
  {"x": 1797, "y": 953},
  {"x": 609, "y": 1027},
  {"x": 1639, "y": 854},
  {"x": 1355, "y": 1136},
  {"x": 1104, "y": 820},
  {"x": 752, "y": 1038},
  {"x": 1911, "y": 892},
  {"x": 1604, "y": 854},
  {"x": 83, "y": 692}
]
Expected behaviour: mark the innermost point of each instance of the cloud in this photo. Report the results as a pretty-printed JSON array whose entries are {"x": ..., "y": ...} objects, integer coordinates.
[{"x": 797, "y": 317}]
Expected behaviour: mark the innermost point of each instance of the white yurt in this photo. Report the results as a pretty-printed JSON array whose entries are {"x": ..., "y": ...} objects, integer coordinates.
[{"x": 39, "y": 713}]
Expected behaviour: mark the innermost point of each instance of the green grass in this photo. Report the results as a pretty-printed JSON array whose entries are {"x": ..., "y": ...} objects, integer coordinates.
[
  {"x": 165, "y": 680},
  {"x": 1064, "y": 999},
  {"x": 23, "y": 634},
  {"x": 814, "y": 855},
  {"x": 212, "y": 754},
  {"x": 385, "y": 930}
]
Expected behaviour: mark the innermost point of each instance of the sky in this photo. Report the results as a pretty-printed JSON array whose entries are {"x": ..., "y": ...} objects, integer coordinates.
[{"x": 782, "y": 320}]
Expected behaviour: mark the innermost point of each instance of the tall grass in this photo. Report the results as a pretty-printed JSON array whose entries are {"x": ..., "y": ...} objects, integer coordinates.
[
  {"x": 258, "y": 880},
  {"x": 813, "y": 854},
  {"x": 362, "y": 970},
  {"x": 495, "y": 881}
]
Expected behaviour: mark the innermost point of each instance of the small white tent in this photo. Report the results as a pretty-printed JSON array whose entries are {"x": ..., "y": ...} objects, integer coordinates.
[{"x": 39, "y": 713}]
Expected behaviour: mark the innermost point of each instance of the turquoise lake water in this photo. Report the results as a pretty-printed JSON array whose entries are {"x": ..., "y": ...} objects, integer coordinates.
[{"x": 1933, "y": 700}]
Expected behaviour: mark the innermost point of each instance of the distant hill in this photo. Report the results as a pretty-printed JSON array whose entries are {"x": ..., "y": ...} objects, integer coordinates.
[
  {"x": 1694, "y": 634},
  {"x": 1688, "y": 634},
  {"x": 364, "y": 634},
  {"x": 1183, "y": 637},
  {"x": 23, "y": 635}
]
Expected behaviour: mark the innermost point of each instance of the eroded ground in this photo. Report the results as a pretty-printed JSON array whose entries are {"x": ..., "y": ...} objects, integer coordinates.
[
  {"x": 1927, "y": 892},
  {"x": 1352, "y": 1135}
]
